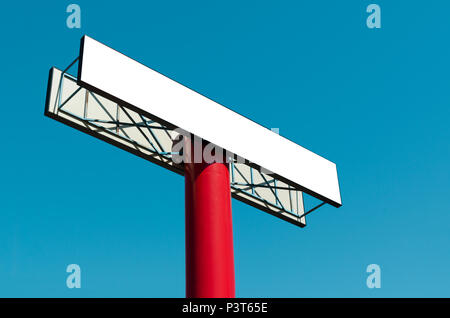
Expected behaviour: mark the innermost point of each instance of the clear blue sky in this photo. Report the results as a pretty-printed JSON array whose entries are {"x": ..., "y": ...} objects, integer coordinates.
[{"x": 376, "y": 102}]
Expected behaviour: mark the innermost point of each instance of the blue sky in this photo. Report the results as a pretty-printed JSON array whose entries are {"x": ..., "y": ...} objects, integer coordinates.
[{"x": 375, "y": 101}]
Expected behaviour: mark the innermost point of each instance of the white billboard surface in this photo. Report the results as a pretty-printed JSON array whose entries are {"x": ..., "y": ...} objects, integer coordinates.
[{"x": 119, "y": 77}]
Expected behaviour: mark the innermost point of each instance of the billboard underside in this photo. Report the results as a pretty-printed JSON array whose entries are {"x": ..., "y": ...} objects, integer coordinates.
[{"x": 146, "y": 137}]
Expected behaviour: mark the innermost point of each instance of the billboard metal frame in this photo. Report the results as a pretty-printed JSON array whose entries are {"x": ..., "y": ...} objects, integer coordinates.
[{"x": 243, "y": 184}]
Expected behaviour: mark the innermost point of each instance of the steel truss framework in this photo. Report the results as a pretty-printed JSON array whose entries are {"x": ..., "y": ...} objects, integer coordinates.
[{"x": 135, "y": 132}]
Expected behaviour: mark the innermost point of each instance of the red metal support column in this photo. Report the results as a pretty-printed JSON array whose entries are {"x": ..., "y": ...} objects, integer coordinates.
[{"x": 209, "y": 230}]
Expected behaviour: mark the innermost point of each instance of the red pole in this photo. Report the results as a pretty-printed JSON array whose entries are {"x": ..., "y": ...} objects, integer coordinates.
[{"x": 209, "y": 230}]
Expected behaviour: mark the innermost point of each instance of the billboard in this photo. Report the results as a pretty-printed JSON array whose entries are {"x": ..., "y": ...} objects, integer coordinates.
[{"x": 111, "y": 74}]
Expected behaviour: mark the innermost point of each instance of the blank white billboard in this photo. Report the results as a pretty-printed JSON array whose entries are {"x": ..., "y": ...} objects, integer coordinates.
[{"x": 123, "y": 79}]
